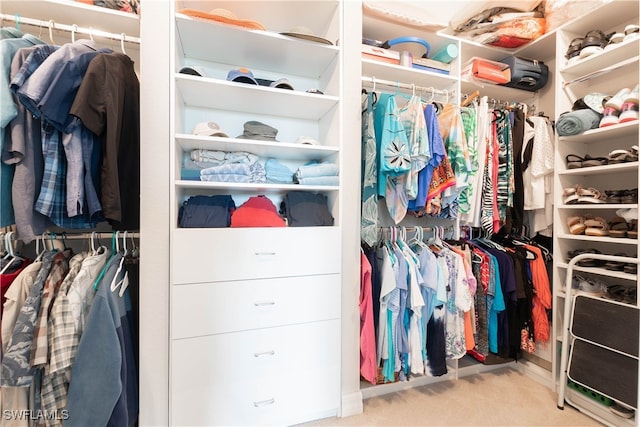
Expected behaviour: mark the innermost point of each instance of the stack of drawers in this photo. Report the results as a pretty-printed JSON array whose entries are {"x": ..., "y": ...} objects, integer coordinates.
[{"x": 255, "y": 326}]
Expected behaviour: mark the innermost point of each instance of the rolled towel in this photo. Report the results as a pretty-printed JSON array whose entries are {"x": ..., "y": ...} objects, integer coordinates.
[{"x": 576, "y": 122}]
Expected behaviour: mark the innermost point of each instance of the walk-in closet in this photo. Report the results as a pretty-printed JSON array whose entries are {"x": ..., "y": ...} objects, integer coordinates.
[{"x": 281, "y": 210}]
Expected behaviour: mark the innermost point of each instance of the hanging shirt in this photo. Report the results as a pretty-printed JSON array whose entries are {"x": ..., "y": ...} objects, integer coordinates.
[
  {"x": 413, "y": 122},
  {"x": 476, "y": 186},
  {"x": 108, "y": 104},
  {"x": 8, "y": 110},
  {"x": 394, "y": 160},
  {"x": 369, "y": 212},
  {"x": 368, "y": 366},
  {"x": 437, "y": 154},
  {"x": 24, "y": 148}
]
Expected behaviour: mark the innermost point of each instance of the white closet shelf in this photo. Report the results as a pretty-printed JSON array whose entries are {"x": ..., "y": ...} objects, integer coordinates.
[
  {"x": 600, "y": 170},
  {"x": 616, "y": 54},
  {"x": 628, "y": 129},
  {"x": 601, "y": 271},
  {"x": 252, "y": 188},
  {"x": 592, "y": 206},
  {"x": 265, "y": 50},
  {"x": 601, "y": 17},
  {"x": 223, "y": 95},
  {"x": 385, "y": 71},
  {"x": 496, "y": 91},
  {"x": 280, "y": 150},
  {"x": 74, "y": 12},
  {"x": 599, "y": 239}
]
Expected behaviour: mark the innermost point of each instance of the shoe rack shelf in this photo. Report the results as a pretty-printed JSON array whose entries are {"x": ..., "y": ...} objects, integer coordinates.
[{"x": 606, "y": 72}]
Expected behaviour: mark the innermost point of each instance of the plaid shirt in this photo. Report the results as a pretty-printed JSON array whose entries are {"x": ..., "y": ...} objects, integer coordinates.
[
  {"x": 40, "y": 347},
  {"x": 55, "y": 380},
  {"x": 52, "y": 201}
]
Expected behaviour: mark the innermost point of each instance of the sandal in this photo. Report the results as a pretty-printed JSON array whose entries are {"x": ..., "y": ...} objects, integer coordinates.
[
  {"x": 594, "y": 42},
  {"x": 594, "y": 161},
  {"x": 574, "y": 48},
  {"x": 596, "y": 227},
  {"x": 571, "y": 194},
  {"x": 631, "y": 296},
  {"x": 629, "y": 196},
  {"x": 622, "y": 156},
  {"x": 614, "y": 196},
  {"x": 615, "y": 292},
  {"x": 576, "y": 224},
  {"x": 632, "y": 232},
  {"x": 618, "y": 227},
  {"x": 630, "y": 268},
  {"x": 589, "y": 262},
  {"x": 590, "y": 195},
  {"x": 574, "y": 161}
]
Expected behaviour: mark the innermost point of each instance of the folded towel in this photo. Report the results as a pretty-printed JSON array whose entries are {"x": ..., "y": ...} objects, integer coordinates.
[
  {"x": 316, "y": 169},
  {"x": 320, "y": 180},
  {"x": 229, "y": 177},
  {"x": 277, "y": 172},
  {"x": 223, "y": 157},
  {"x": 576, "y": 122},
  {"x": 232, "y": 169}
]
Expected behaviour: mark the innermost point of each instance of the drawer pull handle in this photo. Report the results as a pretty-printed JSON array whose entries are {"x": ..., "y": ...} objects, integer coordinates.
[
  {"x": 264, "y": 402},
  {"x": 264, "y": 353},
  {"x": 264, "y": 303},
  {"x": 264, "y": 253}
]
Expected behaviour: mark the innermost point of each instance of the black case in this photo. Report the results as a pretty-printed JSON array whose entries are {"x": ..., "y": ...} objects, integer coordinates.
[{"x": 526, "y": 74}]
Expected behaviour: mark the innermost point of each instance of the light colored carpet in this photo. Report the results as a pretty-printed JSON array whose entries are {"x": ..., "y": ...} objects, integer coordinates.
[{"x": 504, "y": 397}]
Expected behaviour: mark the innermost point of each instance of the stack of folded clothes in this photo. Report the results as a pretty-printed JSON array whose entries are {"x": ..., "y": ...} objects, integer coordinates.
[
  {"x": 302, "y": 209},
  {"x": 317, "y": 174},
  {"x": 222, "y": 166},
  {"x": 278, "y": 173},
  {"x": 257, "y": 211}
]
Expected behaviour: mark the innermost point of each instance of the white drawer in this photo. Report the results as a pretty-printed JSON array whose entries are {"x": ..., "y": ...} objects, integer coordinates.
[
  {"x": 213, "y": 308},
  {"x": 223, "y": 254},
  {"x": 281, "y": 376}
]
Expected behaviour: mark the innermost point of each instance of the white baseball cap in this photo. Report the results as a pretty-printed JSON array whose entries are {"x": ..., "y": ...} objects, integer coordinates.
[
  {"x": 307, "y": 140},
  {"x": 209, "y": 129}
]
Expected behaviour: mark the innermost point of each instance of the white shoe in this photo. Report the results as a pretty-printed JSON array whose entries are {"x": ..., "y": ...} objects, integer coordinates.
[{"x": 616, "y": 100}]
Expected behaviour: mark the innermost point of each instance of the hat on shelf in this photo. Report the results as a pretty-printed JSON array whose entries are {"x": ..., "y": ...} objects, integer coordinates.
[
  {"x": 257, "y": 130},
  {"x": 307, "y": 140},
  {"x": 282, "y": 84},
  {"x": 225, "y": 16},
  {"x": 192, "y": 70},
  {"x": 305, "y": 33},
  {"x": 242, "y": 75},
  {"x": 209, "y": 129}
]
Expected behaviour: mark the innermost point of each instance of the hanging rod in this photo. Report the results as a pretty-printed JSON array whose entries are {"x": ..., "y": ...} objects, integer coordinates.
[
  {"x": 104, "y": 235},
  {"x": 52, "y": 25},
  {"x": 410, "y": 86}
]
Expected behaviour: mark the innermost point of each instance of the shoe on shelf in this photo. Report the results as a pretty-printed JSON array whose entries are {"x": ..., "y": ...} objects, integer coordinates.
[
  {"x": 629, "y": 108},
  {"x": 594, "y": 42},
  {"x": 618, "y": 227},
  {"x": 570, "y": 194},
  {"x": 617, "y": 100},
  {"x": 621, "y": 156},
  {"x": 589, "y": 161},
  {"x": 574, "y": 161},
  {"x": 576, "y": 224},
  {"x": 590, "y": 196},
  {"x": 622, "y": 410},
  {"x": 609, "y": 117},
  {"x": 573, "y": 51},
  {"x": 632, "y": 232},
  {"x": 631, "y": 32},
  {"x": 614, "y": 39},
  {"x": 596, "y": 227}
]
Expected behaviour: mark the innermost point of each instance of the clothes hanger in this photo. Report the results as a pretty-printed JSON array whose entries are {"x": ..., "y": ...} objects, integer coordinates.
[
  {"x": 52, "y": 25},
  {"x": 12, "y": 255},
  {"x": 123, "y": 283},
  {"x": 122, "y": 37},
  {"x": 74, "y": 28}
]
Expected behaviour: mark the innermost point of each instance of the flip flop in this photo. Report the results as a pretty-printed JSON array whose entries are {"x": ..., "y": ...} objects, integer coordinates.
[
  {"x": 574, "y": 161},
  {"x": 594, "y": 161}
]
